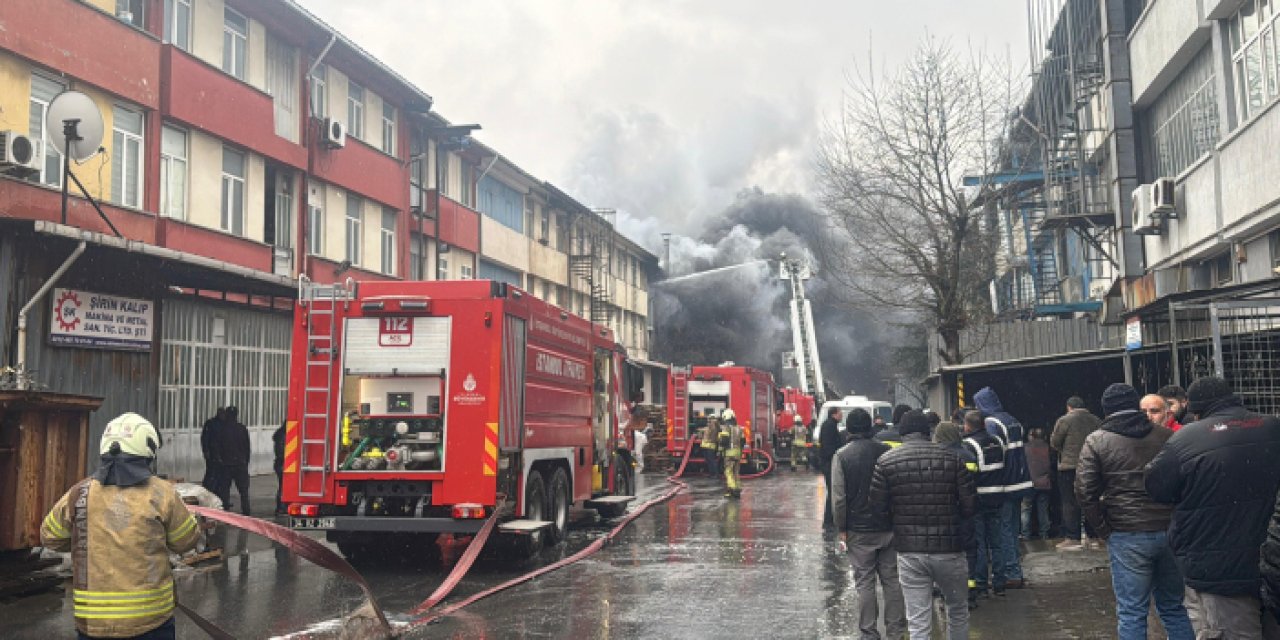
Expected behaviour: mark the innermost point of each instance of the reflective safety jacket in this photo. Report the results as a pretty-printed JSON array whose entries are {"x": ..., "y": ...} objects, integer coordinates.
[
  {"x": 799, "y": 435},
  {"x": 120, "y": 539},
  {"x": 730, "y": 440},
  {"x": 709, "y": 435}
]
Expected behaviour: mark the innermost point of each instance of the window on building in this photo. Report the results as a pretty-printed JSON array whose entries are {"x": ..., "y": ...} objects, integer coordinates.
[
  {"x": 416, "y": 182},
  {"x": 1273, "y": 241},
  {"x": 177, "y": 23},
  {"x": 278, "y": 218},
  {"x": 320, "y": 91},
  {"x": 355, "y": 219},
  {"x": 126, "y": 156},
  {"x": 282, "y": 84},
  {"x": 1254, "y": 55},
  {"x": 466, "y": 184},
  {"x": 544, "y": 226},
  {"x": 315, "y": 228},
  {"x": 233, "y": 172},
  {"x": 442, "y": 268},
  {"x": 43, "y": 91},
  {"x": 417, "y": 265},
  {"x": 465, "y": 272},
  {"x": 235, "y": 42},
  {"x": 442, "y": 174},
  {"x": 355, "y": 110},
  {"x": 173, "y": 172},
  {"x": 494, "y": 271},
  {"x": 388, "y": 241},
  {"x": 502, "y": 203},
  {"x": 133, "y": 12},
  {"x": 1222, "y": 270},
  {"x": 388, "y": 129}
]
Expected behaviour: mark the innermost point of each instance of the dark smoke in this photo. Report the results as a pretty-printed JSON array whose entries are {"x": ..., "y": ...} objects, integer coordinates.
[{"x": 743, "y": 314}]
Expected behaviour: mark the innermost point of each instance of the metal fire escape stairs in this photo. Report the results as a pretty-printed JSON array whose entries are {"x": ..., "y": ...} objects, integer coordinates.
[
  {"x": 321, "y": 303},
  {"x": 587, "y": 264}
]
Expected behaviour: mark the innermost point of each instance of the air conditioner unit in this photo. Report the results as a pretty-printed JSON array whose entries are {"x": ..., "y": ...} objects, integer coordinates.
[
  {"x": 335, "y": 134},
  {"x": 1143, "y": 221},
  {"x": 1162, "y": 198},
  {"x": 1072, "y": 288},
  {"x": 17, "y": 151}
]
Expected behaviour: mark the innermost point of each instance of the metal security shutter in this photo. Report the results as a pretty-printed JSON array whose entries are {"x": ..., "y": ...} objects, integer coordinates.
[{"x": 511, "y": 419}]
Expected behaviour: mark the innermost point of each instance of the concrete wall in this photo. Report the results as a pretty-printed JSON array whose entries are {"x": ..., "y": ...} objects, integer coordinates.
[
  {"x": 1197, "y": 221},
  {"x": 1249, "y": 159},
  {"x": 547, "y": 263},
  {"x": 204, "y": 163},
  {"x": 503, "y": 245},
  {"x": 206, "y": 31},
  {"x": 1169, "y": 34}
]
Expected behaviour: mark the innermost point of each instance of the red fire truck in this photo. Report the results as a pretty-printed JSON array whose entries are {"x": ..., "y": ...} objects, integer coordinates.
[
  {"x": 692, "y": 391},
  {"x": 413, "y": 406},
  {"x": 794, "y": 402}
]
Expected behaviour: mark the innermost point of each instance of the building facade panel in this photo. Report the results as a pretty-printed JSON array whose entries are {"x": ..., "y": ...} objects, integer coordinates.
[
  {"x": 129, "y": 67},
  {"x": 459, "y": 226},
  {"x": 206, "y": 98},
  {"x": 501, "y": 244},
  {"x": 1249, "y": 158},
  {"x": 1169, "y": 34},
  {"x": 365, "y": 170}
]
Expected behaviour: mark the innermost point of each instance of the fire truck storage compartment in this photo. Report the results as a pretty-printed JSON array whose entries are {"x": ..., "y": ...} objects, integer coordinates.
[
  {"x": 709, "y": 394},
  {"x": 393, "y": 409}
]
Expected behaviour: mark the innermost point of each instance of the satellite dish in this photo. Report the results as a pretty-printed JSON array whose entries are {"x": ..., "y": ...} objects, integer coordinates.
[{"x": 73, "y": 105}]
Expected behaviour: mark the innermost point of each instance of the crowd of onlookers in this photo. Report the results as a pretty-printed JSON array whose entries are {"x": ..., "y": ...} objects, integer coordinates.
[{"x": 935, "y": 509}]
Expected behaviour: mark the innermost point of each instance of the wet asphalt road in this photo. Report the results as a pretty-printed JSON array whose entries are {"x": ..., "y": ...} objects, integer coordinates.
[{"x": 698, "y": 566}]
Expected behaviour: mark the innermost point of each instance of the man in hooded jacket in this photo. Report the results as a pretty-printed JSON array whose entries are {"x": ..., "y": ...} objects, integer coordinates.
[
  {"x": 829, "y": 441},
  {"x": 1220, "y": 475},
  {"x": 1016, "y": 479},
  {"x": 1109, "y": 487},
  {"x": 120, "y": 526}
]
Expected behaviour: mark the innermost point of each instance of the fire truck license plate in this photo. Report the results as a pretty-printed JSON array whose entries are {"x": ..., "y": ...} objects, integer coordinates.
[{"x": 311, "y": 523}]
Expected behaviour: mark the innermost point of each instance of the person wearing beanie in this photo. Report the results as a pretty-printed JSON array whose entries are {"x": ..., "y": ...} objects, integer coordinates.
[
  {"x": 1017, "y": 478},
  {"x": 1220, "y": 474},
  {"x": 866, "y": 533},
  {"x": 1110, "y": 490},
  {"x": 928, "y": 494},
  {"x": 829, "y": 441},
  {"x": 122, "y": 582}
]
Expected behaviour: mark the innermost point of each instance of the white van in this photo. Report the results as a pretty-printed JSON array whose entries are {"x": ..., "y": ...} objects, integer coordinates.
[{"x": 876, "y": 408}]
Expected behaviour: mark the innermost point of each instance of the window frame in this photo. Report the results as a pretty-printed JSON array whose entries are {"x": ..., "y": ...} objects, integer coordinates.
[
  {"x": 387, "y": 241},
  {"x": 388, "y": 128},
  {"x": 1252, "y": 42},
  {"x": 171, "y": 21},
  {"x": 355, "y": 110},
  {"x": 315, "y": 228},
  {"x": 167, "y": 162},
  {"x": 239, "y": 65},
  {"x": 466, "y": 272},
  {"x": 442, "y": 267},
  {"x": 46, "y": 145},
  {"x": 318, "y": 91},
  {"x": 121, "y": 169},
  {"x": 354, "y": 229},
  {"x": 233, "y": 221}
]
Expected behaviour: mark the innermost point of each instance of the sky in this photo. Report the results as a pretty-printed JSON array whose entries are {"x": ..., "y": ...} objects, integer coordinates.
[{"x": 661, "y": 109}]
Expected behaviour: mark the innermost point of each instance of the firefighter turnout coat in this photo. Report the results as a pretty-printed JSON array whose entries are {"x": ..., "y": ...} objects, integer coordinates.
[{"x": 120, "y": 539}]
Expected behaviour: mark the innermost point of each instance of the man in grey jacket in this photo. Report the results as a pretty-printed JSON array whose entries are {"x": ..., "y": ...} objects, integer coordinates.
[
  {"x": 866, "y": 532},
  {"x": 1067, "y": 439}
]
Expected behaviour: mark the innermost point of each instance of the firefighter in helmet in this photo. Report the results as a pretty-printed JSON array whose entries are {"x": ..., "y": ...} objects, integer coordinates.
[
  {"x": 730, "y": 441},
  {"x": 799, "y": 443},
  {"x": 120, "y": 526},
  {"x": 710, "y": 445}
]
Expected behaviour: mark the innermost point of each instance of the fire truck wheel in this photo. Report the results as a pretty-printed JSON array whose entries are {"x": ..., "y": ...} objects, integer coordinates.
[
  {"x": 535, "y": 508},
  {"x": 558, "y": 507}
]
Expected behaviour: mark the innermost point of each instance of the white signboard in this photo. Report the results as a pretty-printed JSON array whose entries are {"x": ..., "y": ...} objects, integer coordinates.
[
  {"x": 1133, "y": 334},
  {"x": 101, "y": 321}
]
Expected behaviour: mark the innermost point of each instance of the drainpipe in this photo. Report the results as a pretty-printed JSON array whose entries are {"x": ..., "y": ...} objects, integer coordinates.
[
  {"x": 22, "y": 315},
  {"x": 304, "y": 253}
]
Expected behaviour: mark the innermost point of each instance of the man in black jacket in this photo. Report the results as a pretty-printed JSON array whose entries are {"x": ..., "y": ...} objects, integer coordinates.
[
  {"x": 829, "y": 441},
  {"x": 865, "y": 532},
  {"x": 1220, "y": 473},
  {"x": 1110, "y": 490},
  {"x": 212, "y": 466},
  {"x": 231, "y": 445},
  {"x": 928, "y": 493}
]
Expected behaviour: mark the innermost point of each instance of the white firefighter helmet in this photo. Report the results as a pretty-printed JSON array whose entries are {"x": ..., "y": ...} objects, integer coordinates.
[
  {"x": 799, "y": 420},
  {"x": 727, "y": 415},
  {"x": 133, "y": 433}
]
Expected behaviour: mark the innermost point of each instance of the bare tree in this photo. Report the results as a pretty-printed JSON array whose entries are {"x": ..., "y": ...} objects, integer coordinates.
[{"x": 906, "y": 175}]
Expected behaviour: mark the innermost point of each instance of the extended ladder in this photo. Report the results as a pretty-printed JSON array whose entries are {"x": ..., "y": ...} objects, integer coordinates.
[{"x": 320, "y": 305}]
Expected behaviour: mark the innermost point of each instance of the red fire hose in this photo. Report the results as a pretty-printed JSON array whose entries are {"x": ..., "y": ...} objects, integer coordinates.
[{"x": 321, "y": 555}]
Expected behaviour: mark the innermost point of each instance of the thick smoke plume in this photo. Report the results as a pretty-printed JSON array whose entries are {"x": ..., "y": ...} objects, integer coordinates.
[{"x": 742, "y": 314}]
